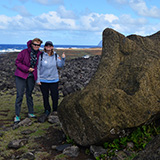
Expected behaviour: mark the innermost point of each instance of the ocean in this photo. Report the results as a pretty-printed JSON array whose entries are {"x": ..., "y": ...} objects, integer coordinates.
[{"x": 5, "y": 48}]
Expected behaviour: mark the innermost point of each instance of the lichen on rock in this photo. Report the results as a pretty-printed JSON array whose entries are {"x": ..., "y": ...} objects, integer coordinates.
[{"x": 123, "y": 93}]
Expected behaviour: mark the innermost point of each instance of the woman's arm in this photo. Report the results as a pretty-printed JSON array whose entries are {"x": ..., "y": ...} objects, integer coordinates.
[
  {"x": 38, "y": 71},
  {"x": 19, "y": 62},
  {"x": 61, "y": 61}
]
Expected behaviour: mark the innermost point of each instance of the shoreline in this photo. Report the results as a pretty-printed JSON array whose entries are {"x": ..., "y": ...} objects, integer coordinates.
[
  {"x": 79, "y": 52},
  {"x": 58, "y": 47},
  {"x": 70, "y": 52},
  {"x": 95, "y": 48}
]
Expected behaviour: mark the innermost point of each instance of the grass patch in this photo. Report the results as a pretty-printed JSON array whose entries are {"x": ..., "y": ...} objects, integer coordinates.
[
  {"x": 139, "y": 137},
  {"x": 7, "y": 113},
  {"x": 75, "y": 53},
  {"x": 42, "y": 155},
  {"x": 7, "y": 108},
  {"x": 61, "y": 157}
]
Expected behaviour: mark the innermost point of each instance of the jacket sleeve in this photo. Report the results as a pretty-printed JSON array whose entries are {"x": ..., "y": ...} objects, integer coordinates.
[
  {"x": 38, "y": 70},
  {"x": 19, "y": 62},
  {"x": 60, "y": 62}
]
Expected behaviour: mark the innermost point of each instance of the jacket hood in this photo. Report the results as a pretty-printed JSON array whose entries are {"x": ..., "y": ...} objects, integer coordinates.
[{"x": 29, "y": 43}]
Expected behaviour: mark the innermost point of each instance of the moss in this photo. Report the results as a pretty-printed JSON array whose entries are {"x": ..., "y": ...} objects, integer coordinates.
[
  {"x": 42, "y": 155},
  {"x": 61, "y": 157}
]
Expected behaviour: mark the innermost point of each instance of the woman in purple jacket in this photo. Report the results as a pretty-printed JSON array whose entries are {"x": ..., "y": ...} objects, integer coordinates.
[{"x": 26, "y": 76}]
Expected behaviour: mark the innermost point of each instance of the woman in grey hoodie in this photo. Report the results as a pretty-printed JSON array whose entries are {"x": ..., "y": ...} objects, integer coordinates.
[{"x": 47, "y": 77}]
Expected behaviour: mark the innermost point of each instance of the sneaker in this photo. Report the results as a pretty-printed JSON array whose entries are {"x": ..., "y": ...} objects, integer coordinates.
[
  {"x": 16, "y": 119},
  {"x": 30, "y": 115}
]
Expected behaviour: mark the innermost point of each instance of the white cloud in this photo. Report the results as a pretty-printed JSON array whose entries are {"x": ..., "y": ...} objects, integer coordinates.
[
  {"x": 128, "y": 25},
  {"x": 128, "y": 20},
  {"x": 8, "y": 22},
  {"x": 141, "y": 8},
  {"x": 118, "y": 1},
  {"x": 49, "y": 2},
  {"x": 4, "y": 21},
  {"x": 62, "y": 12},
  {"x": 96, "y": 22},
  {"x": 53, "y": 21},
  {"x": 21, "y": 10},
  {"x": 45, "y": 21},
  {"x": 110, "y": 17},
  {"x": 92, "y": 22},
  {"x": 67, "y": 21}
]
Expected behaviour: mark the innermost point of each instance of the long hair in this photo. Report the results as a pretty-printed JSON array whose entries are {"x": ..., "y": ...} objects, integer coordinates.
[{"x": 51, "y": 53}]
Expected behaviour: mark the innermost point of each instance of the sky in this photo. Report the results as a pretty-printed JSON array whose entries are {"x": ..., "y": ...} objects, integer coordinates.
[{"x": 75, "y": 22}]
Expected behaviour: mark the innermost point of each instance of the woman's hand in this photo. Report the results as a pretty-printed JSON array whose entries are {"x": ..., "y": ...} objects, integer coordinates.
[
  {"x": 31, "y": 69},
  {"x": 39, "y": 83},
  {"x": 63, "y": 55}
]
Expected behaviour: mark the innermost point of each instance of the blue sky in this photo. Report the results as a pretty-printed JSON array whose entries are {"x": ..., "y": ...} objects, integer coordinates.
[{"x": 75, "y": 22}]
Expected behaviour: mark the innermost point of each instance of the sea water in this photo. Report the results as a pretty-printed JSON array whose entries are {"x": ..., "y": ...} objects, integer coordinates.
[{"x": 6, "y": 48}]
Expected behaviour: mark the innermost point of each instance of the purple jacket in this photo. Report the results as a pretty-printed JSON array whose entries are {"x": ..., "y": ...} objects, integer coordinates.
[{"x": 23, "y": 62}]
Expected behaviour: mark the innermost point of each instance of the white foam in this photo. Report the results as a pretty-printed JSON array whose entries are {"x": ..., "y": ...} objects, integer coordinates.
[{"x": 9, "y": 50}]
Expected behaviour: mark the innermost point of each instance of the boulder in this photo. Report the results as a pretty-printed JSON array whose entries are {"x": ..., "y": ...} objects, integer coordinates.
[
  {"x": 15, "y": 144},
  {"x": 72, "y": 151},
  {"x": 123, "y": 93},
  {"x": 97, "y": 151}
]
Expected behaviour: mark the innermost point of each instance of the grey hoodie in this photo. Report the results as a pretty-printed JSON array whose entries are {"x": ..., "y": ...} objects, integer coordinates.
[{"x": 47, "y": 67}]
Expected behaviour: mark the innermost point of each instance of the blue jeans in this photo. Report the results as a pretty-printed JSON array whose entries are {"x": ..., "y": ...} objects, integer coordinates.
[{"x": 24, "y": 85}]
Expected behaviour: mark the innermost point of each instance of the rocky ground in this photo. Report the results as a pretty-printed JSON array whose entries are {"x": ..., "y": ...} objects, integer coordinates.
[
  {"x": 74, "y": 76},
  {"x": 46, "y": 141}
]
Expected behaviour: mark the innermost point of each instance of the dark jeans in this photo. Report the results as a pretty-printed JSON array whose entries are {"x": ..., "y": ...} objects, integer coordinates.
[
  {"x": 23, "y": 85},
  {"x": 53, "y": 89}
]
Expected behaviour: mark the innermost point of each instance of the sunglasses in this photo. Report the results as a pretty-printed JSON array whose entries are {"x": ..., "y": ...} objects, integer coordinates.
[{"x": 36, "y": 44}]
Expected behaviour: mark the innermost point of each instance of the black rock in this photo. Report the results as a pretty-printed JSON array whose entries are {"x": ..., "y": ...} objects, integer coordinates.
[{"x": 73, "y": 76}]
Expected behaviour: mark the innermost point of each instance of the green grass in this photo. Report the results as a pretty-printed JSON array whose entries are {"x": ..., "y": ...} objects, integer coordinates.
[
  {"x": 61, "y": 157},
  {"x": 140, "y": 138},
  {"x": 40, "y": 130},
  {"x": 7, "y": 113},
  {"x": 7, "y": 108}
]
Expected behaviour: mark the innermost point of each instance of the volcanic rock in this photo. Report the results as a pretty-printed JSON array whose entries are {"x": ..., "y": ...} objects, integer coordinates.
[{"x": 124, "y": 92}]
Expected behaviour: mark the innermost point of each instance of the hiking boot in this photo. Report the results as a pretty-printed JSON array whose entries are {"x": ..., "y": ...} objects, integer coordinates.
[
  {"x": 16, "y": 119},
  {"x": 43, "y": 118},
  {"x": 30, "y": 115},
  {"x": 47, "y": 112}
]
